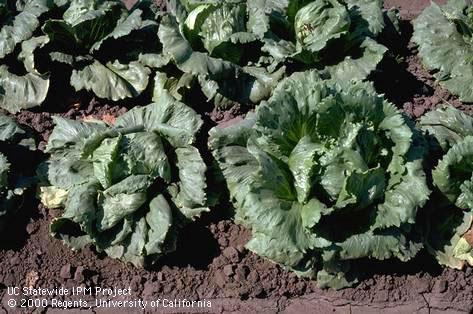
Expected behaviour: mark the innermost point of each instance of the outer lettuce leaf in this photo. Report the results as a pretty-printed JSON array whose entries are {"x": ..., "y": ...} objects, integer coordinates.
[
  {"x": 21, "y": 88},
  {"x": 22, "y": 26},
  {"x": 127, "y": 188},
  {"x": 359, "y": 68},
  {"x": 113, "y": 81},
  {"x": 188, "y": 60},
  {"x": 368, "y": 10},
  {"x": 445, "y": 38},
  {"x": 225, "y": 82},
  {"x": 449, "y": 222},
  {"x": 448, "y": 125},
  {"x": 21, "y": 92},
  {"x": 324, "y": 174}
]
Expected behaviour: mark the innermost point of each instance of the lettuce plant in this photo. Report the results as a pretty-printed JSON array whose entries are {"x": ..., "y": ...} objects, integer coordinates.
[
  {"x": 450, "y": 219},
  {"x": 445, "y": 38},
  {"x": 237, "y": 51},
  {"x": 126, "y": 188},
  {"x": 92, "y": 44},
  {"x": 208, "y": 44},
  {"x": 324, "y": 174},
  {"x": 335, "y": 35},
  {"x": 13, "y": 179},
  {"x": 99, "y": 41},
  {"x": 21, "y": 86}
]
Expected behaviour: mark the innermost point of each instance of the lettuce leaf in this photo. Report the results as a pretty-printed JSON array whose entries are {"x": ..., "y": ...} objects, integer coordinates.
[
  {"x": 21, "y": 87},
  {"x": 445, "y": 38},
  {"x": 450, "y": 218}
]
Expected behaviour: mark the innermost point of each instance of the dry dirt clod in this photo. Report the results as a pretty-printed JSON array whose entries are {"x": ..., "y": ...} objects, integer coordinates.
[
  {"x": 15, "y": 260},
  {"x": 108, "y": 118},
  {"x": 31, "y": 228},
  {"x": 228, "y": 270},
  {"x": 220, "y": 279},
  {"x": 232, "y": 254},
  {"x": 440, "y": 286},
  {"x": 31, "y": 279},
  {"x": 66, "y": 271},
  {"x": 241, "y": 272},
  {"x": 79, "y": 274}
]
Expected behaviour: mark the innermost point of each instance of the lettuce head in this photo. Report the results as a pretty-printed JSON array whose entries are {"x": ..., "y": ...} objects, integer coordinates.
[{"x": 323, "y": 175}]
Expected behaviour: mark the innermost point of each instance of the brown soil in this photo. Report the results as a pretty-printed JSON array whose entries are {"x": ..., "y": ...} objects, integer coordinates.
[
  {"x": 211, "y": 263},
  {"x": 412, "y": 8}
]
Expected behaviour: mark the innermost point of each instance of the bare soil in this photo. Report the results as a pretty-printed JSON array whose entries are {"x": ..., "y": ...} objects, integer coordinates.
[{"x": 211, "y": 263}]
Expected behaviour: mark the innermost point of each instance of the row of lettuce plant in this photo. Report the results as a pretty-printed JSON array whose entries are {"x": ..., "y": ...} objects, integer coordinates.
[
  {"x": 231, "y": 52},
  {"x": 323, "y": 173}
]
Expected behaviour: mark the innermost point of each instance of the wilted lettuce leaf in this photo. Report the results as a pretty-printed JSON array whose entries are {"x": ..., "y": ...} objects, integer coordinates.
[
  {"x": 101, "y": 42},
  {"x": 325, "y": 173},
  {"x": 450, "y": 222},
  {"x": 127, "y": 188},
  {"x": 445, "y": 38},
  {"x": 25, "y": 87},
  {"x": 21, "y": 26}
]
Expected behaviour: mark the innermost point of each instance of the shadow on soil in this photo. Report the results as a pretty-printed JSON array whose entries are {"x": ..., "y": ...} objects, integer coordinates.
[
  {"x": 392, "y": 77},
  {"x": 13, "y": 231},
  {"x": 422, "y": 263},
  {"x": 196, "y": 247}
]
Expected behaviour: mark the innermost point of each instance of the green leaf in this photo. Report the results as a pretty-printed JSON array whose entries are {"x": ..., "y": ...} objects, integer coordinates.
[
  {"x": 188, "y": 60},
  {"x": 121, "y": 200},
  {"x": 159, "y": 220},
  {"x": 445, "y": 49},
  {"x": 448, "y": 125},
  {"x": 192, "y": 185},
  {"x": 4, "y": 171},
  {"x": 27, "y": 52},
  {"x": 69, "y": 132},
  {"x": 385, "y": 245},
  {"x": 454, "y": 169},
  {"x": 9, "y": 129},
  {"x": 144, "y": 153},
  {"x": 23, "y": 26},
  {"x": 169, "y": 117},
  {"x": 368, "y": 11},
  {"x": 125, "y": 27},
  {"x": 319, "y": 22},
  {"x": 21, "y": 92},
  {"x": 113, "y": 81},
  {"x": 358, "y": 68},
  {"x": 302, "y": 163},
  {"x": 103, "y": 160}
]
